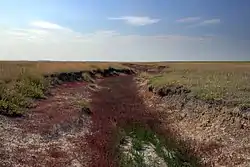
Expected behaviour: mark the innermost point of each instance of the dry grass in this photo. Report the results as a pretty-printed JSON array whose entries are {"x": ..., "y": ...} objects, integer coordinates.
[
  {"x": 12, "y": 70},
  {"x": 210, "y": 81},
  {"x": 20, "y": 82}
]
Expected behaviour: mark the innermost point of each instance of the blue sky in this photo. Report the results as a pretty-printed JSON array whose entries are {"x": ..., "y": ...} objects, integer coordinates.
[{"x": 125, "y": 30}]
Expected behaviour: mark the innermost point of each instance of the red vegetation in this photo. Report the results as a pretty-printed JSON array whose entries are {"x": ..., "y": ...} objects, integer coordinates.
[{"x": 116, "y": 105}]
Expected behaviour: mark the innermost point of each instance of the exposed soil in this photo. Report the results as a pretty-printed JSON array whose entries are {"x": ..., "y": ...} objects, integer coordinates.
[
  {"x": 116, "y": 106},
  {"x": 54, "y": 132},
  {"x": 51, "y": 134},
  {"x": 57, "y": 132},
  {"x": 218, "y": 134}
]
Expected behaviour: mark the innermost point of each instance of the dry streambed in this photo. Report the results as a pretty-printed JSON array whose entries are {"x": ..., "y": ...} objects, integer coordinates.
[
  {"x": 127, "y": 125},
  {"x": 126, "y": 133}
]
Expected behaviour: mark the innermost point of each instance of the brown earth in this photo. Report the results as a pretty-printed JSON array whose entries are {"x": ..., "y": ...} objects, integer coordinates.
[
  {"x": 56, "y": 133},
  {"x": 220, "y": 135},
  {"x": 116, "y": 105},
  {"x": 55, "y": 130},
  {"x": 51, "y": 134}
]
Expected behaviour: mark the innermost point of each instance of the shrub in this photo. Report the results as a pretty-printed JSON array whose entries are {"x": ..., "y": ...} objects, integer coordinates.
[
  {"x": 9, "y": 109},
  {"x": 12, "y": 102},
  {"x": 16, "y": 95}
]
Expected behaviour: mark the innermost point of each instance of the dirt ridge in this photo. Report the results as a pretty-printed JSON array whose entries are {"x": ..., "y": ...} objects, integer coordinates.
[
  {"x": 218, "y": 133},
  {"x": 79, "y": 75}
]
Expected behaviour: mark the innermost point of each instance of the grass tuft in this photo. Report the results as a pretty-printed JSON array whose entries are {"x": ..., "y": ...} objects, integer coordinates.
[
  {"x": 16, "y": 95},
  {"x": 168, "y": 152},
  {"x": 83, "y": 104}
]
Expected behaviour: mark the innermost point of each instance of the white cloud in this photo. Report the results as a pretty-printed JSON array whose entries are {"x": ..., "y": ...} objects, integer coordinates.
[
  {"x": 212, "y": 21},
  {"x": 27, "y": 31},
  {"x": 47, "y": 25},
  {"x": 136, "y": 21},
  {"x": 206, "y": 23},
  {"x": 188, "y": 20},
  {"x": 39, "y": 44},
  {"x": 41, "y": 30},
  {"x": 16, "y": 33}
]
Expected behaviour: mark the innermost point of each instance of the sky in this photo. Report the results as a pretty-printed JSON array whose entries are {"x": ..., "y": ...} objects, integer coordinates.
[{"x": 125, "y": 30}]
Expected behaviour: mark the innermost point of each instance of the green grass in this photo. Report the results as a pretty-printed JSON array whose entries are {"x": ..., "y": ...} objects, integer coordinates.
[
  {"x": 16, "y": 96},
  {"x": 166, "y": 148},
  {"x": 227, "y": 82}
]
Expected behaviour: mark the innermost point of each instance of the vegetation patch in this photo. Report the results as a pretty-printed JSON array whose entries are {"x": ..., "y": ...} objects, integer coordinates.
[
  {"x": 21, "y": 82},
  {"x": 210, "y": 82},
  {"x": 17, "y": 95},
  {"x": 142, "y": 147},
  {"x": 82, "y": 103}
]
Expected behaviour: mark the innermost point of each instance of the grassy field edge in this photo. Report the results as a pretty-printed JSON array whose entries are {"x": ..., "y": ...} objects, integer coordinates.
[{"x": 31, "y": 81}]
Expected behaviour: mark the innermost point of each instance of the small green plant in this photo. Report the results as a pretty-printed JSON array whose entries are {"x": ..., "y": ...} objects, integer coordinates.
[
  {"x": 29, "y": 89},
  {"x": 85, "y": 106},
  {"x": 9, "y": 109},
  {"x": 171, "y": 152},
  {"x": 12, "y": 102},
  {"x": 137, "y": 144},
  {"x": 82, "y": 104},
  {"x": 16, "y": 95}
]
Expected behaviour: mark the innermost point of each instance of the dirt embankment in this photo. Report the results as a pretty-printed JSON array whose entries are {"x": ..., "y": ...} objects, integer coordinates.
[
  {"x": 17, "y": 92},
  {"x": 57, "y": 78},
  {"x": 218, "y": 133},
  {"x": 152, "y": 68}
]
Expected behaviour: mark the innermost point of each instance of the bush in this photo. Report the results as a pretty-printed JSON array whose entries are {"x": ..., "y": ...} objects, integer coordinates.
[
  {"x": 32, "y": 86},
  {"x": 17, "y": 95},
  {"x": 12, "y": 102}
]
